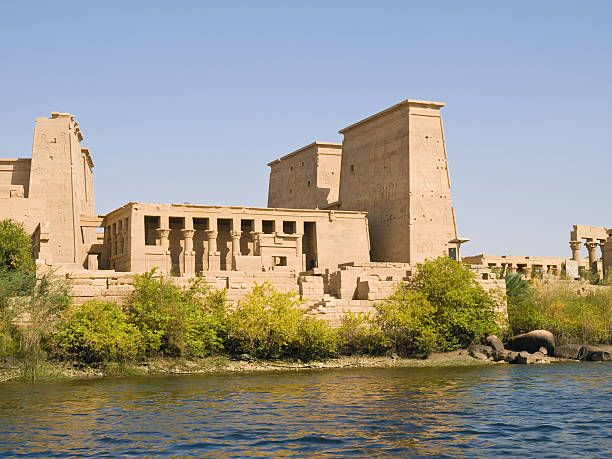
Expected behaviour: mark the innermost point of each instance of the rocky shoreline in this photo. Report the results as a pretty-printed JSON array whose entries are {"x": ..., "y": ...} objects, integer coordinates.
[
  {"x": 219, "y": 365},
  {"x": 537, "y": 346}
]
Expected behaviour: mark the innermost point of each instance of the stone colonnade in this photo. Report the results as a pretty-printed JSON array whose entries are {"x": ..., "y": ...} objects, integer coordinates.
[
  {"x": 591, "y": 246},
  {"x": 526, "y": 269},
  {"x": 211, "y": 255}
]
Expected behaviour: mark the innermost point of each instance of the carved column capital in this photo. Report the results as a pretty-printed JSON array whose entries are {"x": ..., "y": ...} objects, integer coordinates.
[
  {"x": 188, "y": 233},
  {"x": 212, "y": 234},
  {"x": 255, "y": 234},
  {"x": 163, "y": 233},
  {"x": 575, "y": 246},
  {"x": 235, "y": 234}
]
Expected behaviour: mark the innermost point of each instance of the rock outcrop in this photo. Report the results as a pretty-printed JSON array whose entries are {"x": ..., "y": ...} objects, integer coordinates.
[
  {"x": 480, "y": 352},
  {"x": 596, "y": 353},
  {"x": 533, "y": 341},
  {"x": 495, "y": 343}
]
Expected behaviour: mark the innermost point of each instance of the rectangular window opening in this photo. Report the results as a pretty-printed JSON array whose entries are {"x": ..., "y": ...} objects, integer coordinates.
[
  {"x": 280, "y": 261},
  {"x": 267, "y": 226},
  {"x": 151, "y": 225},
  {"x": 289, "y": 227},
  {"x": 200, "y": 224},
  {"x": 246, "y": 226}
]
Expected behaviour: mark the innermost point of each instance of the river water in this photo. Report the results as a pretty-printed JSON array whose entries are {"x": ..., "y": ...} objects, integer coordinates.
[{"x": 557, "y": 410}]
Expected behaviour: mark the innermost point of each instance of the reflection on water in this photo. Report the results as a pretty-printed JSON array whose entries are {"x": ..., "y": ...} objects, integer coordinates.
[{"x": 560, "y": 410}]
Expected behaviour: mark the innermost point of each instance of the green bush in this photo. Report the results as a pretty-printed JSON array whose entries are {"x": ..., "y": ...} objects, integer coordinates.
[
  {"x": 569, "y": 312},
  {"x": 315, "y": 339},
  {"x": 523, "y": 315},
  {"x": 407, "y": 320},
  {"x": 15, "y": 247},
  {"x": 177, "y": 321},
  {"x": 464, "y": 311},
  {"x": 270, "y": 324},
  {"x": 31, "y": 309},
  {"x": 360, "y": 334},
  {"x": 99, "y": 332}
]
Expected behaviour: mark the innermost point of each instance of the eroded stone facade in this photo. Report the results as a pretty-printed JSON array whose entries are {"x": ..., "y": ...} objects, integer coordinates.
[
  {"x": 313, "y": 239},
  {"x": 52, "y": 192},
  {"x": 393, "y": 166},
  {"x": 308, "y": 178},
  {"x": 186, "y": 239}
]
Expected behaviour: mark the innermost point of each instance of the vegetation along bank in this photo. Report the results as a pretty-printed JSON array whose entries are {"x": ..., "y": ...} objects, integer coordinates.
[{"x": 166, "y": 328}]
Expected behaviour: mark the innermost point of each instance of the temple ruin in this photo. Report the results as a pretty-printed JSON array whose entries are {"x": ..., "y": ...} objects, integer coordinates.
[
  {"x": 345, "y": 222},
  {"x": 591, "y": 237}
]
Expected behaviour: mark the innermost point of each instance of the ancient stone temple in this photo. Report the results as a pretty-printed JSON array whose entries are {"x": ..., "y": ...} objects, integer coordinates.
[
  {"x": 393, "y": 166},
  {"x": 186, "y": 239},
  {"x": 52, "y": 192},
  {"x": 381, "y": 195}
]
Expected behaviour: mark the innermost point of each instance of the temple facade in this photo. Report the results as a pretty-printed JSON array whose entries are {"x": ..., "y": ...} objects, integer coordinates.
[
  {"x": 393, "y": 166},
  {"x": 185, "y": 239}
]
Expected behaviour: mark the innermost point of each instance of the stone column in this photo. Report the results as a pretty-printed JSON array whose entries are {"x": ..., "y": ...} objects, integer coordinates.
[
  {"x": 592, "y": 248},
  {"x": 212, "y": 241},
  {"x": 189, "y": 253},
  {"x": 235, "y": 247},
  {"x": 575, "y": 246},
  {"x": 214, "y": 262},
  {"x": 236, "y": 241},
  {"x": 164, "y": 242},
  {"x": 526, "y": 270},
  {"x": 256, "y": 248},
  {"x": 298, "y": 250}
]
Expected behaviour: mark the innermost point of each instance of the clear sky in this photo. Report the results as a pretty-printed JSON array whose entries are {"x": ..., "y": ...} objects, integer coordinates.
[{"x": 188, "y": 101}]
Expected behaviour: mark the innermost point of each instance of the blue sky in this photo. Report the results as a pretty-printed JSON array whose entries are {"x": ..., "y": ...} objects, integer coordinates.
[{"x": 187, "y": 101}]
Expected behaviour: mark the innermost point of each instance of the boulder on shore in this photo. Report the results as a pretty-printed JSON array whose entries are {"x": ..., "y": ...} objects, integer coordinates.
[
  {"x": 596, "y": 353},
  {"x": 480, "y": 352},
  {"x": 568, "y": 351},
  {"x": 532, "y": 341},
  {"x": 495, "y": 343}
]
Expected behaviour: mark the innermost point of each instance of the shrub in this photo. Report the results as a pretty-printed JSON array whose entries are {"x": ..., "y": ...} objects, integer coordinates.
[
  {"x": 177, "y": 321},
  {"x": 270, "y": 324},
  {"x": 407, "y": 320},
  {"x": 15, "y": 247},
  {"x": 315, "y": 339},
  {"x": 361, "y": 334},
  {"x": 523, "y": 315},
  {"x": 32, "y": 308},
  {"x": 573, "y": 315},
  {"x": 99, "y": 332},
  {"x": 264, "y": 323},
  {"x": 442, "y": 308},
  {"x": 463, "y": 311}
]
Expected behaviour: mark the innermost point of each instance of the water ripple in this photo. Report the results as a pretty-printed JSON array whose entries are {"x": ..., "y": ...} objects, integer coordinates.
[{"x": 556, "y": 410}]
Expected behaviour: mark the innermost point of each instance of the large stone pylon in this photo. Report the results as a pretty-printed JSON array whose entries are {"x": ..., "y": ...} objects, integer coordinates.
[{"x": 394, "y": 167}]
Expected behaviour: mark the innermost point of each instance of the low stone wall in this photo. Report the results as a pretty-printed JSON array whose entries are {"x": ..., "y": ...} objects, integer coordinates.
[{"x": 327, "y": 293}]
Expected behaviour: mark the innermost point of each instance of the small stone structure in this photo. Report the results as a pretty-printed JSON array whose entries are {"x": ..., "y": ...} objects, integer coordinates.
[
  {"x": 547, "y": 267},
  {"x": 594, "y": 237},
  {"x": 308, "y": 178}
]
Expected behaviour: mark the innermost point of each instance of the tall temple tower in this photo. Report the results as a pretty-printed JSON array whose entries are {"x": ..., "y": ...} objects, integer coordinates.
[
  {"x": 52, "y": 193},
  {"x": 394, "y": 167}
]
